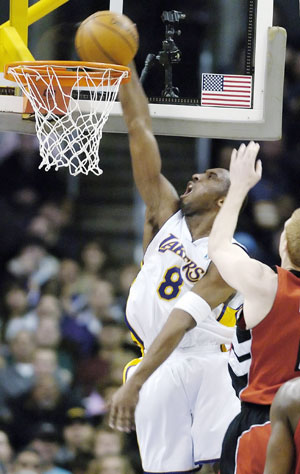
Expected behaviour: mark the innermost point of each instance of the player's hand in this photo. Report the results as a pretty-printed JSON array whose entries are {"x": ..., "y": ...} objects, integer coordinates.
[
  {"x": 244, "y": 170},
  {"x": 122, "y": 407}
]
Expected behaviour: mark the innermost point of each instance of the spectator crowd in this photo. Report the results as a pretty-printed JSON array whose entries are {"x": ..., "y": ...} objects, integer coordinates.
[{"x": 64, "y": 342}]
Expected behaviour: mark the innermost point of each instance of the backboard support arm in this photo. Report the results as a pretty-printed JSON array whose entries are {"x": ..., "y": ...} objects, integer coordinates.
[{"x": 14, "y": 32}]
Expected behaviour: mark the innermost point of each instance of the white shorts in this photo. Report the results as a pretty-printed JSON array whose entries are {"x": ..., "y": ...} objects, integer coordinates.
[{"x": 184, "y": 410}]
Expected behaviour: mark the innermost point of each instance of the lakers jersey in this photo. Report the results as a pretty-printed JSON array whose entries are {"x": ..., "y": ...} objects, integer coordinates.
[{"x": 173, "y": 263}]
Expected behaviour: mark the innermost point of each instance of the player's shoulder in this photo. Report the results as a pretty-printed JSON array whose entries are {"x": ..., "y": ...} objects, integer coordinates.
[
  {"x": 291, "y": 274},
  {"x": 165, "y": 231},
  {"x": 238, "y": 244},
  {"x": 173, "y": 219},
  {"x": 259, "y": 269},
  {"x": 288, "y": 394}
]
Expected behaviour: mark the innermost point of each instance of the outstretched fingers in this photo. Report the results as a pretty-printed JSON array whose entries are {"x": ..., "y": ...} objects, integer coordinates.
[
  {"x": 122, "y": 408},
  {"x": 233, "y": 156},
  {"x": 258, "y": 168},
  {"x": 245, "y": 171},
  {"x": 252, "y": 150},
  {"x": 121, "y": 419}
]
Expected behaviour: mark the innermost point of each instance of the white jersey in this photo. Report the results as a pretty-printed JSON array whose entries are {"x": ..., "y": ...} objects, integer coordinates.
[{"x": 173, "y": 263}]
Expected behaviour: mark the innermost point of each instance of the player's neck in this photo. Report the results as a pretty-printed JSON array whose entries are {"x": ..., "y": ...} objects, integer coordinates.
[
  {"x": 200, "y": 226},
  {"x": 286, "y": 263}
]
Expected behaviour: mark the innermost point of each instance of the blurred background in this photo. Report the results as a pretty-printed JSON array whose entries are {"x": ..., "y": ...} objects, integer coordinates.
[{"x": 70, "y": 247}]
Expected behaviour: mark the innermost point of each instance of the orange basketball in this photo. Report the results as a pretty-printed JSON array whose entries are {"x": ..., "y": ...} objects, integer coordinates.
[{"x": 107, "y": 37}]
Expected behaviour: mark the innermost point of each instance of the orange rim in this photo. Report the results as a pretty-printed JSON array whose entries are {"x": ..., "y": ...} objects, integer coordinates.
[{"x": 64, "y": 73}]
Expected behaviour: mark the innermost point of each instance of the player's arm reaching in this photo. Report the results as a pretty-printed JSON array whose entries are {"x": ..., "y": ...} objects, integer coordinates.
[
  {"x": 194, "y": 306},
  {"x": 256, "y": 281},
  {"x": 159, "y": 195}
]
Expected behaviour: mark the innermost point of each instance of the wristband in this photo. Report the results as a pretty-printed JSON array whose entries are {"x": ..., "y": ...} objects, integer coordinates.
[{"x": 194, "y": 305}]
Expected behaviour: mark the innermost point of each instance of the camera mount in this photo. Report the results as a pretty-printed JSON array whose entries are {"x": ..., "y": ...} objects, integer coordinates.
[{"x": 169, "y": 55}]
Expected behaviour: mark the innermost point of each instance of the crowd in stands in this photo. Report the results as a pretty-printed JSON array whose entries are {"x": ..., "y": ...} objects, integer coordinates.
[{"x": 64, "y": 341}]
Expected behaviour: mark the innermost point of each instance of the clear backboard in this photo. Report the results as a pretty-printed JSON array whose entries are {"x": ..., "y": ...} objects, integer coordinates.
[{"x": 187, "y": 62}]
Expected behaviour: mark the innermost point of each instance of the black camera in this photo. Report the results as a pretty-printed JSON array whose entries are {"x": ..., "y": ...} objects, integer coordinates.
[
  {"x": 172, "y": 17},
  {"x": 169, "y": 54}
]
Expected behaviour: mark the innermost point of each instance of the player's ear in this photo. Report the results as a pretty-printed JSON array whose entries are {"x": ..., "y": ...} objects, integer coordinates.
[{"x": 220, "y": 201}]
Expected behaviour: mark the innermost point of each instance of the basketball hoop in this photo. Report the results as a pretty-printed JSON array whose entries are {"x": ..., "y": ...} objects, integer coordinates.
[{"x": 68, "y": 136}]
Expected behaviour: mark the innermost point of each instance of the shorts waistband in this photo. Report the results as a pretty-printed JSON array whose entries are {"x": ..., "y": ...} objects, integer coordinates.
[
  {"x": 253, "y": 406},
  {"x": 198, "y": 350}
]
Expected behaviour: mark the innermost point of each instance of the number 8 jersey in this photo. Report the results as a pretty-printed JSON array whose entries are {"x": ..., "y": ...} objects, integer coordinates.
[{"x": 173, "y": 263}]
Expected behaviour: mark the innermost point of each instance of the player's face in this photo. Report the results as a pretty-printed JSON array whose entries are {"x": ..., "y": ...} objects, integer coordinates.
[{"x": 204, "y": 191}]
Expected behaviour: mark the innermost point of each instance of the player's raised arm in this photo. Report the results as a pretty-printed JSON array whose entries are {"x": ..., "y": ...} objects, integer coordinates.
[
  {"x": 236, "y": 267},
  {"x": 158, "y": 194},
  {"x": 256, "y": 281}
]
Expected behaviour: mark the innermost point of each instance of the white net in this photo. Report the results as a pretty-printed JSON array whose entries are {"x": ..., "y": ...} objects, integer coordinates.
[{"x": 70, "y": 120}]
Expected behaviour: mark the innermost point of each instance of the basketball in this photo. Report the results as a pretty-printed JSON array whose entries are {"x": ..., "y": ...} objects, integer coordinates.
[{"x": 107, "y": 37}]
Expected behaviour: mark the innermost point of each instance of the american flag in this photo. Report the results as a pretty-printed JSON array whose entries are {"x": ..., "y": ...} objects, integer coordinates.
[{"x": 219, "y": 90}]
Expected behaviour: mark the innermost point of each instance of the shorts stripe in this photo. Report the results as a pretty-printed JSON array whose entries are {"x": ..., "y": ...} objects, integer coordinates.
[
  {"x": 172, "y": 472},
  {"x": 130, "y": 364},
  {"x": 139, "y": 340},
  {"x": 210, "y": 461}
]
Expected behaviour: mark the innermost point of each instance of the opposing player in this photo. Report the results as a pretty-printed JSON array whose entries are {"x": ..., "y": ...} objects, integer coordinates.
[
  {"x": 283, "y": 453},
  {"x": 266, "y": 345},
  {"x": 186, "y": 405}
]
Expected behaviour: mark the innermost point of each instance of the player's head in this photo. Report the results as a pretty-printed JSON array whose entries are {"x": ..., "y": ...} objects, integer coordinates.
[
  {"x": 290, "y": 238},
  {"x": 205, "y": 192}
]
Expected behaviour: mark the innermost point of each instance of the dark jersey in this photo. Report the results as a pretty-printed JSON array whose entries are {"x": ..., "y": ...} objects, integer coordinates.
[
  {"x": 268, "y": 355},
  {"x": 245, "y": 443}
]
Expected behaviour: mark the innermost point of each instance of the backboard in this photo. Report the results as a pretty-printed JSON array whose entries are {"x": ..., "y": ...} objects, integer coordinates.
[{"x": 264, "y": 56}]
